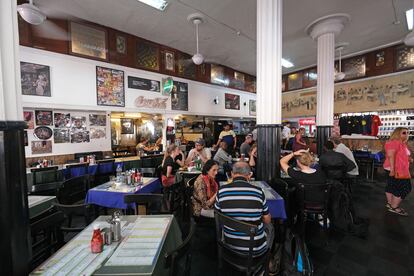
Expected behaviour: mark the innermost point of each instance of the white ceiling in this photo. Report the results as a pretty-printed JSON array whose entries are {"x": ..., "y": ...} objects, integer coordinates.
[{"x": 371, "y": 25}]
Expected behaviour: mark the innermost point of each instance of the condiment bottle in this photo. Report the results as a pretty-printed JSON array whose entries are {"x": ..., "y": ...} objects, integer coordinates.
[{"x": 97, "y": 241}]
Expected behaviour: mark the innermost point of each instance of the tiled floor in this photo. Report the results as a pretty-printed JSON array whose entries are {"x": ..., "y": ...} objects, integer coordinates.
[{"x": 388, "y": 249}]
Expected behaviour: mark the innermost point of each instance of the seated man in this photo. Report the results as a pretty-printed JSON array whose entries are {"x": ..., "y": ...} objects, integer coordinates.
[
  {"x": 245, "y": 147},
  {"x": 199, "y": 152},
  {"x": 222, "y": 157},
  {"x": 335, "y": 164},
  {"x": 245, "y": 202},
  {"x": 341, "y": 148}
]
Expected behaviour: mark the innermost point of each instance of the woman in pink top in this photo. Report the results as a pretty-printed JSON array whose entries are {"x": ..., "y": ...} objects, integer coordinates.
[{"x": 397, "y": 163}]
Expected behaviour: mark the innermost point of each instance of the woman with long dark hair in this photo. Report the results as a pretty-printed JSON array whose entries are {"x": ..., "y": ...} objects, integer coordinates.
[
  {"x": 173, "y": 160},
  {"x": 397, "y": 163}
]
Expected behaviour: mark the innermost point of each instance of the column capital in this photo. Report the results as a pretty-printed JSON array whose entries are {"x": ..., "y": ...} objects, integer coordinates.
[{"x": 333, "y": 23}]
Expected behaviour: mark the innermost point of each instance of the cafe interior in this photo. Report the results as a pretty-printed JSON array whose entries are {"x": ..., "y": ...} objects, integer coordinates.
[{"x": 190, "y": 137}]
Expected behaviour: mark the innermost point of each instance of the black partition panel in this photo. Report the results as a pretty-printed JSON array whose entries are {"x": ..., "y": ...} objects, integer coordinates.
[
  {"x": 14, "y": 218},
  {"x": 268, "y": 152},
  {"x": 322, "y": 135}
]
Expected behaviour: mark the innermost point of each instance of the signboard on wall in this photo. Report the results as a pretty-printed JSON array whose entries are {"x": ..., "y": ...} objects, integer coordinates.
[
  {"x": 179, "y": 96},
  {"x": 157, "y": 103},
  {"x": 143, "y": 84}
]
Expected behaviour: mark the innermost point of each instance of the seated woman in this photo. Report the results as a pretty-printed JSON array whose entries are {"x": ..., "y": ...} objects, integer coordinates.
[
  {"x": 303, "y": 173},
  {"x": 173, "y": 160},
  {"x": 253, "y": 159},
  {"x": 205, "y": 190}
]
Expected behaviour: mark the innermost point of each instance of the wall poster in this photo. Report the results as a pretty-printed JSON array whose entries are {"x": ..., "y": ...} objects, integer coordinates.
[
  {"x": 110, "y": 87},
  {"x": 97, "y": 120},
  {"x": 41, "y": 147},
  {"x": 232, "y": 101},
  {"x": 179, "y": 96},
  {"x": 62, "y": 120},
  {"x": 35, "y": 79},
  {"x": 43, "y": 118},
  {"x": 61, "y": 135}
]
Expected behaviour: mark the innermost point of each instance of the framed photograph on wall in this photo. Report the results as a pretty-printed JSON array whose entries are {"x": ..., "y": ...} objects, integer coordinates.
[
  {"x": 121, "y": 44},
  {"x": 88, "y": 41},
  {"x": 127, "y": 126},
  {"x": 35, "y": 79},
  {"x": 41, "y": 147},
  {"x": 252, "y": 107},
  {"x": 179, "y": 96},
  {"x": 29, "y": 119},
  {"x": 232, "y": 101},
  {"x": 110, "y": 87},
  {"x": 43, "y": 118},
  {"x": 148, "y": 55},
  {"x": 169, "y": 61}
]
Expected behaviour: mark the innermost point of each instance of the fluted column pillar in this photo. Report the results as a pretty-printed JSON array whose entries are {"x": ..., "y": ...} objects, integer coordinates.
[
  {"x": 14, "y": 221},
  {"x": 269, "y": 87},
  {"x": 324, "y": 30}
]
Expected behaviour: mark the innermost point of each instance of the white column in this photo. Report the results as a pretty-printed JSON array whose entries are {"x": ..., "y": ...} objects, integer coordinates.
[
  {"x": 269, "y": 56},
  {"x": 324, "y": 31},
  {"x": 10, "y": 87}
]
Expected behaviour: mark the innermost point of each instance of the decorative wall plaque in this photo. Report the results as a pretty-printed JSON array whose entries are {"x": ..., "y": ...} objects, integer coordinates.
[
  {"x": 379, "y": 58},
  {"x": 147, "y": 55},
  {"x": 87, "y": 40},
  {"x": 169, "y": 61},
  {"x": 354, "y": 67},
  {"x": 405, "y": 57},
  {"x": 238, "y": 80},
  {"x": 295, "y": 81},
  {"x": 121, "y": 44},
  {"x": 186, "y": 67},
  {"x": 218, "y": 76}
]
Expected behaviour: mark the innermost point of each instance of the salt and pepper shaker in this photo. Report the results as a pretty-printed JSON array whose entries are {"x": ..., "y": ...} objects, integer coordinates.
[{"x": 115, "y": 226}]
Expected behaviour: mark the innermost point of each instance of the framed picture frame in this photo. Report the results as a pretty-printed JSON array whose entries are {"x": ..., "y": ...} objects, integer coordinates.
[
  {"x": 147, "y": 56},
  {"x": 35, "y": 79},
  {"x": 127, "y": 126},
  {"x": 231, "y": 101},
  {"x": 88, "y": 41},
  {"x": 110, "y": 87},
  {"x": 121, "y": 44},
  {"x": 169, "y": 61}
]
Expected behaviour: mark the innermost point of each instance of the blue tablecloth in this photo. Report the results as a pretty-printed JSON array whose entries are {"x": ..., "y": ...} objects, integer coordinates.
[
  {"x": 377, "y": 156},
  {"x": 275, "y": 202},
  {"x": 91, "y": 170},
  {"x": 101, "y": 196}
]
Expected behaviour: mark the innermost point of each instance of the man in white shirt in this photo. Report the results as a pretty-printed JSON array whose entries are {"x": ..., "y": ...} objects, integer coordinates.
[
  {"x": 341, "y": 148},
  {"x": 285, "y": 134},
  {"x": 199, "y": 150}
]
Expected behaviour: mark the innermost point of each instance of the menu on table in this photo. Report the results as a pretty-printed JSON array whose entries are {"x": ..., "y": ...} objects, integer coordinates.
[
  {"x": 76, "y": 257},
  {"x": 143, "y": 244}
]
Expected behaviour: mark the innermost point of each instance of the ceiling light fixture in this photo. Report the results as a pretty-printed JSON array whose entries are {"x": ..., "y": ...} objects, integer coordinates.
[
  {"x": 409, "y": 18},
  {"x": 409, "y": 39},
  {"x": 31, "y": 14},
  {"x": 287, "y": 63},
  {"x": 157, "y": 4}
]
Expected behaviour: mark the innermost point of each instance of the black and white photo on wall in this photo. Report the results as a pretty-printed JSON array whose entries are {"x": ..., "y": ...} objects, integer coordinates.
[
  {"x": 143, "y": 84},
  {"x": 62, "y": 119},
  {"x": 79, "y": 122},
  {"x": 127, "y": 126},
  {"x": 35, "y": 79},
  {"x": 179, "y": 96},
  {"x": 232, "y": 101},
  {"x": 43, "y": 133},
  {"x": 43, "y": 118},
  {"x": 61, "y": 135},
  {"x": 121, "y": 44},
  {"x": 79, "y": 136},
  {"x": 97, "y": 120},
  {"x": 98, "y": 133},
  {"x": 41, "y": 147},
  {"x": 169, "y": 61}
]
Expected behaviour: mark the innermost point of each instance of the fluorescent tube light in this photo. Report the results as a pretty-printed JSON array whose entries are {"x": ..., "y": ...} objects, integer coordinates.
[
  {"x": 286, "y": 63},
  {"x": 409, "y": 17},
  {"x": 157, "y": 4}
]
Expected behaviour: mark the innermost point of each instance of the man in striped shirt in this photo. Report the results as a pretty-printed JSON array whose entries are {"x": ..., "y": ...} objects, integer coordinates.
[{"x": 243, "y": 201}]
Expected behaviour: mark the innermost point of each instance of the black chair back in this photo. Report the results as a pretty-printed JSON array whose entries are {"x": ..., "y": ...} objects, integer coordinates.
[
  {"x": 334, "y": 172},
  {"x": 153, "y": 203},
  {"x": 243, "y": 262},
  {"x": 147, "y": 172},
  {"x": 73, "y": 190},
  {"x": 148, "y": 162},
  {"x": 75, "y": 210},
  {"x": 44, "y": 175},
  {"x": 313, "y": 196},
  {"x": 47, "y": 237},
  {"x": 183, "y": 251},
  {"x": 77, "y": 169}
]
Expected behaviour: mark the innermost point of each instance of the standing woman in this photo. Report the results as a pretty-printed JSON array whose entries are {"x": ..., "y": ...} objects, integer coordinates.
[
  {"x": 173, "y": 160},
  {"x": 205, "y": 190},
  {"x": 397, "y": 163},
  {"x": 299, "y": 143}
]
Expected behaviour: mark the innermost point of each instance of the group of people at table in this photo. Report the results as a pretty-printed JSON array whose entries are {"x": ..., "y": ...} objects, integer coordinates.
[{"x": 249, "y": 200}]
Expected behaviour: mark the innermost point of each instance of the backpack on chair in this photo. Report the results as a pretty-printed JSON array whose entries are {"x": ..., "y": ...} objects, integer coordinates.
[
  {"x": 296, "y": 259},
  {"x": 342, "y": 213}
]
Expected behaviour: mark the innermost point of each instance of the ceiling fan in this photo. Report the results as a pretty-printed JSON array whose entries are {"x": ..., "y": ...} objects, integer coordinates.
[
  {"x": 44, "y": 28},
  {"x": 340, "y": 75},
  {"x": 196, "y": 19}
]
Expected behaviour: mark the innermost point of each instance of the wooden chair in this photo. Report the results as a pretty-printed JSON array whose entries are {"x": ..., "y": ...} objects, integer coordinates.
[
  {"x": 183, "y": 251},
  {"x": 243, "y": 262}
]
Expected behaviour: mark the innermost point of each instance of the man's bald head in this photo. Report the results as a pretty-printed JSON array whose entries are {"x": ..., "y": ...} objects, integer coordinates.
[{"x": 241, "y": 169}]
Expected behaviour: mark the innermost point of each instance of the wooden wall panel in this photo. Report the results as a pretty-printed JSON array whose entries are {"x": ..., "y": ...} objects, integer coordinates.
[
  {"x": 52, "y": 35},
  {"x": 25, "y": 34},
  {"x": 117, "y": 57}
]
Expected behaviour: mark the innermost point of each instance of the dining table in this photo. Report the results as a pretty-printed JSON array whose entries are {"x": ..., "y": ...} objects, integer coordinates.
[
  {"x": 275, "y": 202},
  {"x": 141, "y": 250},
  {"x": 111, "y": 194}
]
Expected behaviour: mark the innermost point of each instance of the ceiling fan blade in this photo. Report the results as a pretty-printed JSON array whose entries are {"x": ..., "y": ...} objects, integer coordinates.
[{"x": 50, "y": 30}]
